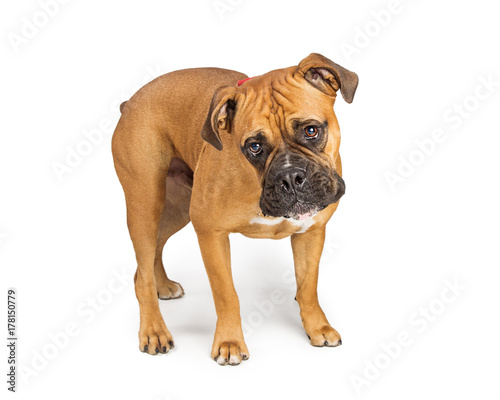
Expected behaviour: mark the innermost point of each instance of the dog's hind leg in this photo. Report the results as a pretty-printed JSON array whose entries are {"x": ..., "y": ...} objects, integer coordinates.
[
  {"x": 141, "y": 160},
  {"x": 175, "y": 216}
]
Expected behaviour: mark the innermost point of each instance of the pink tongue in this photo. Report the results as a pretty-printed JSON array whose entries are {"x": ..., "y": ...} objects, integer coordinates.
[{"x": 304, "y": 216}]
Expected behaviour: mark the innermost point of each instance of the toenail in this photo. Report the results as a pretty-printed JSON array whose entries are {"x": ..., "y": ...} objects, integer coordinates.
[
  {"x": 171, "y": 344},
  {"x": 326, "y": 343},
  {"x": 164, "y": 349},
  {"x": 340, "y": 343},
  {"x": 157, "y": 350},
  {"x": 146, "y": 348}
]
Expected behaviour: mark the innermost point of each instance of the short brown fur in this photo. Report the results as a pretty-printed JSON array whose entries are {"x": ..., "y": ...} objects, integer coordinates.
[{"x": 163, "y": 126}]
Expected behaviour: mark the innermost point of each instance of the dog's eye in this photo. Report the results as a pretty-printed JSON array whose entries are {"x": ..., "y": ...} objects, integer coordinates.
[
  {"x": 311, "y": 132},
  {"x": 255, "y": 148}
]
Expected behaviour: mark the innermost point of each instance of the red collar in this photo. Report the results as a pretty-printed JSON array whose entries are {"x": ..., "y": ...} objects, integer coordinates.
[{"x": 240, "y": 82}]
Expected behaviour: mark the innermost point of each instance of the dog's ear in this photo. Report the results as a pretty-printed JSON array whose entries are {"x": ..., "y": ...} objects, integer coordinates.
[
  {"x": 328, "y": 77},
  {"x": 220, "y": 116}
]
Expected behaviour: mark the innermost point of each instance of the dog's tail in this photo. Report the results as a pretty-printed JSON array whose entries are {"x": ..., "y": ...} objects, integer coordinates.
[{"x": 122, "y": 106}]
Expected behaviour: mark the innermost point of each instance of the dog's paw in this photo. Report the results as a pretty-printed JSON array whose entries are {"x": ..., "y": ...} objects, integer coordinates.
[
  {"x": 169, "y": 290},
  {"x": 155, "y": 338},
  {"x": 324, "y": 336},
  {"x": 231, "y": 352}
]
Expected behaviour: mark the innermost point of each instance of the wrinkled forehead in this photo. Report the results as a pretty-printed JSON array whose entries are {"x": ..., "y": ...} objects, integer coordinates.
[{"x": 274, "y": 101}]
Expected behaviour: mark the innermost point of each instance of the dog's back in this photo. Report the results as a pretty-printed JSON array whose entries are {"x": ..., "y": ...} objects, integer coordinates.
[{"x": 175, "y": 104}]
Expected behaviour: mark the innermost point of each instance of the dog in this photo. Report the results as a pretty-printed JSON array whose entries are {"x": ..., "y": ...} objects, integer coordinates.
[{"x": 258, "y": 156}]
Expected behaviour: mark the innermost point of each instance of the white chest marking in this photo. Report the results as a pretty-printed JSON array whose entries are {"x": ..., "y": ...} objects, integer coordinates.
[{"x": 303, "y": 225}]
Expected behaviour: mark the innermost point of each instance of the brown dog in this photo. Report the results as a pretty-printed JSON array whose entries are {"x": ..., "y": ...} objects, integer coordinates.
[{"x": 259, "y": 157}]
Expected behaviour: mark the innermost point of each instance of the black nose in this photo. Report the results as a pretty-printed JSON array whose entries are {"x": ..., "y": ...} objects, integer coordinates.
[{"x": 290, "y": 179}]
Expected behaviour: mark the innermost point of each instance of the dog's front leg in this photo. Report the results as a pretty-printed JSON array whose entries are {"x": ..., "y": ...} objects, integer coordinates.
[
  {"x": 229, "y": 345},
  {"x": 307, "y": 248}
]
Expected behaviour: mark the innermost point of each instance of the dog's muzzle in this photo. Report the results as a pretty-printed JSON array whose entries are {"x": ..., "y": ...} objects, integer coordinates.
[{"x": 297, "y": 187}]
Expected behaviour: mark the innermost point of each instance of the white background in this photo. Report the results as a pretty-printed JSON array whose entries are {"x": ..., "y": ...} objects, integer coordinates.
[{"x": 388, "y": 252}]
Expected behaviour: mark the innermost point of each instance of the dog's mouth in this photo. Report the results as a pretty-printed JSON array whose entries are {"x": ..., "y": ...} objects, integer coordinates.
[
  {"x": 298, "y": 188},
  {"x": 301, "y": 211}
]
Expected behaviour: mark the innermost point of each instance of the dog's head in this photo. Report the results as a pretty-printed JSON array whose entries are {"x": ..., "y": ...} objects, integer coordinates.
[{"x": 286, "y": 132}]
